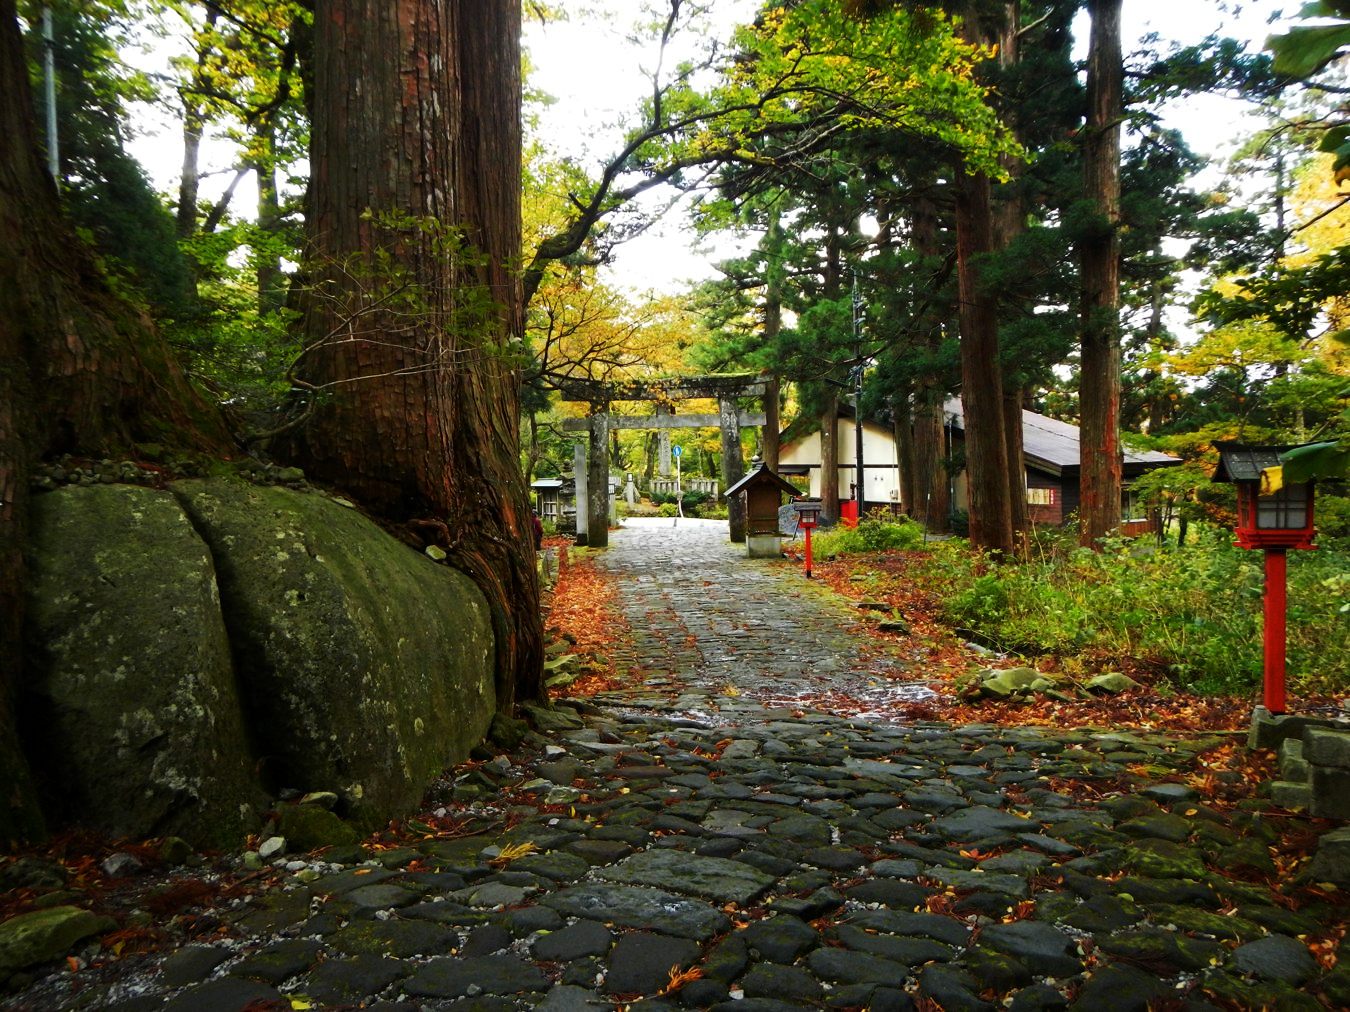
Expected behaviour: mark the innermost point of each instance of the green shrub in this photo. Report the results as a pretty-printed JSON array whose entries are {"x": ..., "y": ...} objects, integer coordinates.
[
  {"x": 668, "y": 509},
  {"x": 1331, "y": 514},
  {"x": 1195, "y": 612},
  {"x": 876, "y": 532}
]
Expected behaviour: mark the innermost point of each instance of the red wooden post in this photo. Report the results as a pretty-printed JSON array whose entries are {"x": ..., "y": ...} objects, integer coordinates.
[
  {"x": 1276, "y": 576},
  {"x": 807, "y": 528}
]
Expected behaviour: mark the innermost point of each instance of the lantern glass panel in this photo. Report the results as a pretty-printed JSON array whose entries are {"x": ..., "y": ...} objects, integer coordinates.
[{"x": 1287, "y": 509}]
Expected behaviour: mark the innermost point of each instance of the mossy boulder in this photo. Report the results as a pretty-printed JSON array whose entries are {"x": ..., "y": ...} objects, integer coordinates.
[
  {"x": 367, "y": 667},
  {"x": 1111, "y": 683},
  {"x": 135, "y": 726},
  {"x": 309, "y": 827},
  {"x": 44, "y": 935},
  {"x": 191, "y": 650},
  {"x": 1005, "y": 683}
]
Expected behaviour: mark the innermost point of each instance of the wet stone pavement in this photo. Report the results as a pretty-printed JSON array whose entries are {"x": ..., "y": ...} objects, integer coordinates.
[
  {"x": 773, "y": 856},
  {"x": 704, "y": 617}
]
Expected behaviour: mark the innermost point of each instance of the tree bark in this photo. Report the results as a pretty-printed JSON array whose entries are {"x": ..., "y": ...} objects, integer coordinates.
[
  {"x": 1017, "y": 468},
  {"x": 772, "y": 423},
  {"x": 415, "y": 148},
  {"x": 1099, "y": 251},
  {"x": 929, "y": 491},
  {"x": 271, "y": 280},
  {"x": 1009, "y": 223},
  {"x": 81, "y": 372},
  {"x": 829, "y": 457},
  {"x": 932, "y": 492},
  {"x": 773, "y": 326},
  {"x": 981, "y": 370},
  {"x": 904, "y": 451},
  {"x": 981, "y": 379}
]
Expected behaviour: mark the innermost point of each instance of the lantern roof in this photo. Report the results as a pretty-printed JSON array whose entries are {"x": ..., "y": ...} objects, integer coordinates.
[
  {"x": 760, "y": 474},
  {"x": 1238, "y": 462}
]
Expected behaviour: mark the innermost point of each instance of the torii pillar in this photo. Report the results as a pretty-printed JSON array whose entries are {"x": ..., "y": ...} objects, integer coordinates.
[
  {"x": 733, "y": 466},
  {"x": 597, "y": 479}
]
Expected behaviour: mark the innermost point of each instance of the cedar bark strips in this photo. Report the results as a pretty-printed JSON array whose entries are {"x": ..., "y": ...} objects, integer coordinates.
[
  {"x": 981, "y": 372},
  {"x": 1009, "y": 223},
  {"x": 981, "y": 375},
  {"x": 416, "y": 112},
  {"x": 81, "y": 372},
  {"x": 927, "y": 489},
  {"x": 1099, "y": 251},
  {"x": 829, "y": 457}
]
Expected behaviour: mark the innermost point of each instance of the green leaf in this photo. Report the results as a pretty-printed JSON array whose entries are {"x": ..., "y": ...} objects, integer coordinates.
[
  {"x": 1335, "y": 138},
  {"x": 1316, "y": 460},
  {"x": 1302, "y": 52}
]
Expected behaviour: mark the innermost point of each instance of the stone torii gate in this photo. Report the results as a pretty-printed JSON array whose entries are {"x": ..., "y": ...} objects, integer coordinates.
[{"x": 664, "y": 392}]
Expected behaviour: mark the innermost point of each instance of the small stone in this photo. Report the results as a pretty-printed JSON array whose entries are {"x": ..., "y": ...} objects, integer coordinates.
[
  {"x": 1293, "y": 797},
  {"x": 120, "y": 864},
  {"x": 175, "y": 850},
  {"x": 1276, "y": 957},
  {"x": 308, "y": 827},
  {"x": 641, "y": 963},
  {"x": 1331, "y": 863},
  {"x": 435, "y": 552},
  {"x": 273, "y": 846},
  {"x": 1111, "y": 683},
  {"x": 324, "y": 799}
]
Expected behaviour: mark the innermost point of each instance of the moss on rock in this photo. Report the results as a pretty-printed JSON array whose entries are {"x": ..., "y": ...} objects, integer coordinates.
[
  {"x": 44, "y": 935},
  {"x": 367, "y": 668},
  {"x": 134, "y": 724}
]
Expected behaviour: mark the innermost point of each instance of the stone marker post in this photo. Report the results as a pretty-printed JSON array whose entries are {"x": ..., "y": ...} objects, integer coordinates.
[
  {"x": 597, "y": 480},
  {"x": 579, "y": 477},
  {"x": 663, "y": 445}
]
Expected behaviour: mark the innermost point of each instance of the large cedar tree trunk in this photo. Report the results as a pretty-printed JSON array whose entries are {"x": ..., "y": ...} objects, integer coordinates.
[
  {"x": 903, "y": 429},
  {"x": 1099, "y": 383},
  {"x": 1009, "y": 223},
  {"x": 930, "y": 491},
  {"x": 981, "y": 378},
  {"x": 981, "y": 372},
  {"x": 81, "y": 372},
  {"x": 829, "y": 457},
  {"x": 416, "y": 110}
]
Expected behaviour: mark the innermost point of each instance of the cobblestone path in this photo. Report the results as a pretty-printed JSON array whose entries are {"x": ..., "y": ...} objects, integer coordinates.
[
  {"x": 706, "y": 618},
  {"x": 776, "y": 858}
]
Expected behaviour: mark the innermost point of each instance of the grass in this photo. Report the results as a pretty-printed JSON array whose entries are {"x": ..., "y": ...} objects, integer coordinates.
[{"x": 1192, "y": 615}]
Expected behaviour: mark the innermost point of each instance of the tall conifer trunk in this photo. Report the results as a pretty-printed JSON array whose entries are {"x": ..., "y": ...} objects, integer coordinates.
[
  {"x": 1099, "y": 251},
  {"x": 930, "y": 492},
  {"x": 981, "y": 371},
  {"x": 415, "y": 153}
]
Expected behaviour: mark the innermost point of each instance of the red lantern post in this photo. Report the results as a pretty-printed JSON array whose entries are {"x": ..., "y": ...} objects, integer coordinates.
[
  {"x": 808, "y": 513},
  {"x": 1274, "y": 523}
]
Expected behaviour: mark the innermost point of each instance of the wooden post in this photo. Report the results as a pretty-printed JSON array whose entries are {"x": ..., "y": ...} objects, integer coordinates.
[
  {"x": 733, "y": 466},
  {"x": 1276, "y": 606}
]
